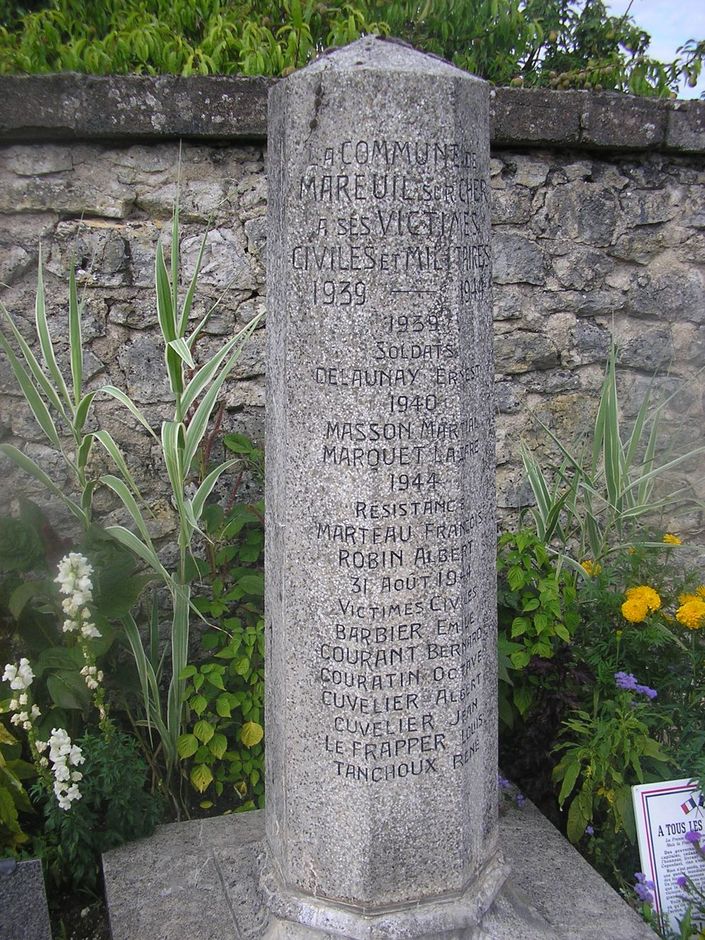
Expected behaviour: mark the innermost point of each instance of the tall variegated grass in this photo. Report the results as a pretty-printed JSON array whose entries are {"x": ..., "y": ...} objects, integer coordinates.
[
  {"x": 603, "y": 495},
  {"x": 61, "y": 409}
]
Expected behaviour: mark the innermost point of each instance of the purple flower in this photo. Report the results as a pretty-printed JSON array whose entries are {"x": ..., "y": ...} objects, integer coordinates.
[
  {"x": 625, "y": 680},
  {"x": 628, "y": 682},
  {"x": 693, "y": 837},
  {"x": 520, "y": 800},
  {"x": 682, "y": 881},
  {"x": 643, "y": 888},
  {"x": 589, "y": 831},
  {"x": 503, "y": 783}
]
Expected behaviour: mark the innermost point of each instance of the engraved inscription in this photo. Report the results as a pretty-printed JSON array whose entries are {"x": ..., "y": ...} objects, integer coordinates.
[{"x": 398, "y": 249}]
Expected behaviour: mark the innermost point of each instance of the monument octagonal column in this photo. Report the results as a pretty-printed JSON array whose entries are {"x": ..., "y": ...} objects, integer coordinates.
[{"x": 381, "y": 607}]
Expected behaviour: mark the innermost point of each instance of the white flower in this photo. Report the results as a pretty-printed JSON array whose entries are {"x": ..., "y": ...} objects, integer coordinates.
[
  {"x": 27, "y": 725},
  {"x": 74, "y": 574},
  {"x": 70, "y": 626},
  {"x": 35, "y": 712},
  {"x": 14, "y": 705},
  {"x": 22, "y": 699},
  {"x": 10, "y": 673},
  {"x": 20, "y": 677},
  {"x": 89, "y": 631},
  {"x": 41, "y": 745},
  {"x": 63, "y": 753}
]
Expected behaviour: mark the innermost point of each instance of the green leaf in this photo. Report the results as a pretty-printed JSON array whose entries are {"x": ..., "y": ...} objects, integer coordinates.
[
  {"x": 519, "y": 626},
  {"x": 216, "y": 680},
  {"x": 187, "y": 672},
  {"x": 520, "y": 659},
  {"x": 199, "y": 704},
  {"x": 23, "y": 594},
  {"x": 251, "y": 733},
  {"x": 204, "y": 731},
  {"x": 45, "y": 341},
  {"x": 571, "y": 775},
  {"x": 579, "y": 816},
  {"x": 218, "y": 745},
  {"x": 187, "y": 745},
  {"x": 252, "y": 584},
  {"x": 120, "y": 396},
  {"x": 222, "y": 706},
  {"x": 75, "y": 339},
  {"x": 68, "y": 690},
  {"x": 34, "y": 399},
  {"x": 34, "y": 470},
  {"x": 201, "y": 777}
]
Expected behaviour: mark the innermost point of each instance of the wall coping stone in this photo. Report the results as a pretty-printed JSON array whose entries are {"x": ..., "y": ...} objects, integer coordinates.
[{"x": 128, "y": 108}]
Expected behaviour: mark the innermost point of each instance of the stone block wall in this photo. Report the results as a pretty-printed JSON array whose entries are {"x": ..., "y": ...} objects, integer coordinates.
[{"x": 598, "y": 231}]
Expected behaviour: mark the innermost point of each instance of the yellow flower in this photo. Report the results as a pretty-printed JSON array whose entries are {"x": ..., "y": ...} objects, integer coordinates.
[
  {"x": 700, "y": 591},
  {"x": 686, "y": 598},
  {"x": 671, "y": 539},
  {"x": 593, "y": 568},
  {"x": 634, "y": 610},
  {"x": 647, "y": 594},
  {"x": 692, "y": 614}
]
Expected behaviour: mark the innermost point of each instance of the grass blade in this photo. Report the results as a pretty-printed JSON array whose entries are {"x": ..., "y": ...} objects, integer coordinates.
[
  {"x": 36, "y": 370},
  {"x": 44, "y": 335},
  {"x": 32, "y": 396},
  {"x": 130, "y": 540},
  {"x": 75, "y": 338},
  {"x": 34, "y": 470},
  {"x": 130, "y": 405},
  {"x": 111, "y": 448}
]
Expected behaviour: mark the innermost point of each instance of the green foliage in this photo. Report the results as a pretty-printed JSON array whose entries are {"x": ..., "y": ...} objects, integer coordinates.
[
  {"x": 225, "y": 689},
  {"x": 31, "y": 615},
  {"x": 605, "y": 490},
  {"x": 608, "y": 750},
  {"x": 14, "y": 799},
  {"x": 114, "y": 808},
  {"x": 178, "y": 36},
  {"x": 551, "y": 43},
  {"x": 537, "y": 614},
  {"x": 60, "y": 405}
]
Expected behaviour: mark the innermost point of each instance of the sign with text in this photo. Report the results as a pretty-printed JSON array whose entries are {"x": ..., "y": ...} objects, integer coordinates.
[{"x": 670, "y": 821}]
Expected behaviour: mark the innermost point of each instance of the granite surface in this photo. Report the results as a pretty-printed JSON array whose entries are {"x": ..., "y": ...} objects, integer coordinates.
[
  {"x": 24, "y": 914},
  {"x": 381, "y": 605},
  {"x": 201, "y": 879}
]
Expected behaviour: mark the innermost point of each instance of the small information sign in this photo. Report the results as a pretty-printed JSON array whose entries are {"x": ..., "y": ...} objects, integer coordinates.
[{"x": 670, "y": 823}]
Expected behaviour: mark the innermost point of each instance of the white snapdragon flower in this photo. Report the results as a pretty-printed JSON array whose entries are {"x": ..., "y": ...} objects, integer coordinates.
[
  {"x": 74, "y": 576},
  {"x": 92, "y": 676},
  {"x": 89, "y": 631},
  {"x": 64, "y": 756},
  {"x": 20, "y": 677}
]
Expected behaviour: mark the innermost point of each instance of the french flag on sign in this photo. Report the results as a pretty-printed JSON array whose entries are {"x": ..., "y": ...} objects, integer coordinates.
[{"x": 690, "y": 804}]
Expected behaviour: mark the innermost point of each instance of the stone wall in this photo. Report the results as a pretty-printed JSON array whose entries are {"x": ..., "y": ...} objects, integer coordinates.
[{"x": 598, "y": 222}]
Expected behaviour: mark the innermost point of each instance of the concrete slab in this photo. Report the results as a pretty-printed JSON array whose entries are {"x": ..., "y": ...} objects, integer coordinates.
[{"x": 201, "y": 878}]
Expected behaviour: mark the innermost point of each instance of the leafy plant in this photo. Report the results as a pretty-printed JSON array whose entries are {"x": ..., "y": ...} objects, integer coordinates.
[
  {"x": 14, "y": 799},
  {"x": 606, "y": 752},
  {"x": 114, "y": 808},
  {"x": 225, "y": 689},
  {"x": 602, "y": 496},
  {"x": 195, "y": 389},
  {"x": 550, "y": 43},
  {"x": 537, "y": 614}
]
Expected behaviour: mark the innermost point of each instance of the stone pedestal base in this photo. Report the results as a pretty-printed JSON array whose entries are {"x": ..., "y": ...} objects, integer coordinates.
[
  {"x": 301, "y": 917},
  {"x": 204, "y": 879}
]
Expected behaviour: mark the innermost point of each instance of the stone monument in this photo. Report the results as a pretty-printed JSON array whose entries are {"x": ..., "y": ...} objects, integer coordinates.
[
  {"x": 381, "y": 818},
  {"x": 381, "y": 624}
]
